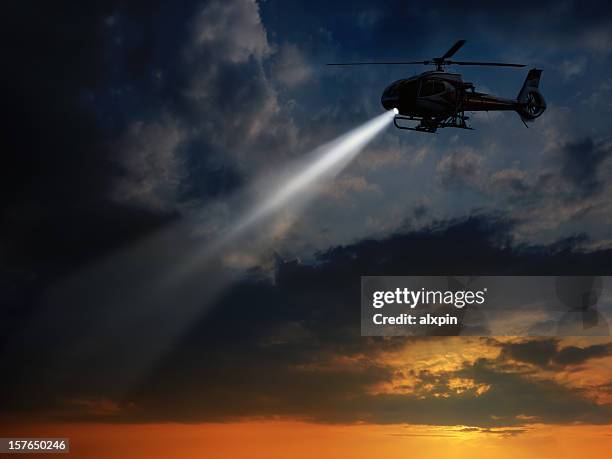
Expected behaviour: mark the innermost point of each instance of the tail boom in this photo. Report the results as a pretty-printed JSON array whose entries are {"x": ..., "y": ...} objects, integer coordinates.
[
  {"x": 480, "y": 102},
  {"x": 529, "y": 103}
]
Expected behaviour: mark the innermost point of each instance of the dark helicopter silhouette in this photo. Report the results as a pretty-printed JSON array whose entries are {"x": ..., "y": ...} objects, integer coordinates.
[{"x": 439, "y": 99}]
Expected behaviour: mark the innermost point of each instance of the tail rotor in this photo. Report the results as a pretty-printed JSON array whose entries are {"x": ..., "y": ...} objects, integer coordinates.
[{"x": 530, "y": 101}]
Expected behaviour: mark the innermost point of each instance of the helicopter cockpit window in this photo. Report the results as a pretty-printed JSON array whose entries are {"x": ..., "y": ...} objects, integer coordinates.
[
  {"x": 431, "y": 87},
  {"x": 394, "y": 90}
]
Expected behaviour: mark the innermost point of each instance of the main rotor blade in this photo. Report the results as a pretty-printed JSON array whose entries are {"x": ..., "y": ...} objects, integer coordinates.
[
  {"x": 497, "y": 64},
  {"x": 453, "y": 49},
  {"x": 379, "y": 63}
]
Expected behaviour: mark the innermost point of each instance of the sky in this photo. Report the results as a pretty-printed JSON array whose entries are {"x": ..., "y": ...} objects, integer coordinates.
[{"x": 138, "y": 133}]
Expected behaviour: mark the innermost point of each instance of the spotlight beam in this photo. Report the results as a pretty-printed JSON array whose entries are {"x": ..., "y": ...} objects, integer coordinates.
[
  {"x": 326, "y": 163},
  {"x": 307, "y": 175},
  {"x": 128, "y": 310}
]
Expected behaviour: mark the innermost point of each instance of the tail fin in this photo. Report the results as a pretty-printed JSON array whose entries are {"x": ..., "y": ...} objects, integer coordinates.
[{"x": 531, "y": 103}]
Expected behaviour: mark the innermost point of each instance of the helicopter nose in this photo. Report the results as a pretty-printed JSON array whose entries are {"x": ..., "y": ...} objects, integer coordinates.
[{"x": 389, "y": 102}]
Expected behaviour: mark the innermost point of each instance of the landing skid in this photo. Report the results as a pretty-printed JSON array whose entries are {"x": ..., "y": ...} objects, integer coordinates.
[
  {"x": 423, "y": 126},
  {"x": 431, "y": 125}
]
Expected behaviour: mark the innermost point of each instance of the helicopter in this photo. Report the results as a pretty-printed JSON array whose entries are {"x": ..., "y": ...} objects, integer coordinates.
[{"x": 439, "y": 99}]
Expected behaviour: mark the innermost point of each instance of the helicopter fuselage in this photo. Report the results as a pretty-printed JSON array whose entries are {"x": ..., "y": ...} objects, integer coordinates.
[{"x": 439, "y": 94}]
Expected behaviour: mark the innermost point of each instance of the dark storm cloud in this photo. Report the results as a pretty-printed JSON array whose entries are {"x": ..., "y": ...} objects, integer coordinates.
[
  {"x": 573, "y": 355},
  {"x": 288, "y": 342},
  {"x": 549, "y": 352},
  {"x": 581, "y": 164},
  {"x": 303, "y": 387},
  {"x": 537, "y": 352},
  {"x": 294, "y": 348},
  {"x": 341, "y": 396},
  {"x": 420, "y": 210}
]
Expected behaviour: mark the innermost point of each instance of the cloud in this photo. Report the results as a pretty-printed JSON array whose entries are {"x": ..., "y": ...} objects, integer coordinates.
[
  {"x": 573, "y": 355},
  {"x": 582, "y": 161},
  {"x": 550, "y": 353},
  {"x": 513, "y": 181},
  {"x": 567, "y": 189},
  {"x": 222, "y": 121},
  {"x": 536, "y": 352},
  {"x": 368, "y": 18},
  {"x": 296, "y": 348},
  {"x": 461, "y": 168},
  {"x": 232, "y": 30},
  {"x": 291, "y": 68},
  {"x": 502, "y": 432},
  {"x": 98, "y": 408},
  {"x": 226, "y": 89},
  {"x": 346, "y": 185},
  {"x": 573, "y": 68},
  {"x": 154, "y": 170}
]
